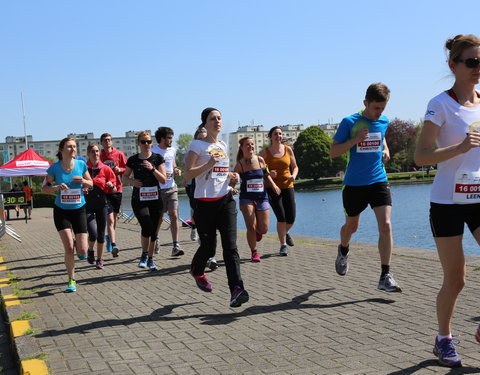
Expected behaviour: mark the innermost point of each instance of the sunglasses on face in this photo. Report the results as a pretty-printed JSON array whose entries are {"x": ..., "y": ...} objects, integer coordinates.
[
  {"x": 471, "y": 62},
  {"x": 146, "y": 141}
]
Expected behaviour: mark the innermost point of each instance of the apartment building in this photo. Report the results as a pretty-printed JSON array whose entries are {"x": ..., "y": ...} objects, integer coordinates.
[
  {"x": 16, "y": 145},
  {"x": 260, "y": 137}
]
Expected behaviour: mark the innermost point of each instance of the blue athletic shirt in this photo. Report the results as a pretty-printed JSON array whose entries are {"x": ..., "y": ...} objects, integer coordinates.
[
  {"x": 60, "y": 176},
  {"x": 365, "y": 166}
]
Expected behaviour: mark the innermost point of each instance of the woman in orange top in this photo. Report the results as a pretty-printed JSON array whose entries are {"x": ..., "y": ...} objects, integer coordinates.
[{"x": 283, "y": 170}]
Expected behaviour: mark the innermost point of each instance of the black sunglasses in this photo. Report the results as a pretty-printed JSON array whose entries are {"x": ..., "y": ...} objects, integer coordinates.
[
  {"x": 471, "y": 62},
  {"x": 145, "y": 141}
]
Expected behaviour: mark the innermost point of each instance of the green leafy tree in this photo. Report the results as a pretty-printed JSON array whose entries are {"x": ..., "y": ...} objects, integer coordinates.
[
  {"x": 183, "y": 141},
  {"x": 312, "y": 152}
]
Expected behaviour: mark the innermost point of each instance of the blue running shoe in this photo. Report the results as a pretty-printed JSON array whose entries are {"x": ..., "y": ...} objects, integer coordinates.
[
  {"x": 108, "y": 244},
  {"x": 446, "y": 352},
  {"x": 72, "y": 286},
  {"x": 151, "y": 265},
  {"x": 81, "y": 256},
  {"x": 143, "y": 260}
]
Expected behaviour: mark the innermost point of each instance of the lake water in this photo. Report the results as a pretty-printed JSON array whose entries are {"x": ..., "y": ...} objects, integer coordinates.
[{"x": 320, "y": 214}]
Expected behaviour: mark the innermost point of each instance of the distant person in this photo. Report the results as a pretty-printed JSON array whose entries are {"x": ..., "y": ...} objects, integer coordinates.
[
  {"x": 28, "y": 196},
  {"x": 148, "y": 171},
  {"x": 215, "y": 208},
  {"x": 362, "y": 135},
  {"x": 450, "y": 138},
  {"x": 254, "y": 204},
  {"x": 67, "y": 178},
  {"x": 116, "y": 160},
  {"x": 104, "y": 182},
  {"x": 16, "y": 189},
  {"x": 169, "y": 190},
  {"x": 283, "y": 170}
]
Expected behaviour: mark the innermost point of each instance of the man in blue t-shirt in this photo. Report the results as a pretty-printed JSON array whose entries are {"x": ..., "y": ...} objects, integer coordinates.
[{"x": 362, "y": 135}]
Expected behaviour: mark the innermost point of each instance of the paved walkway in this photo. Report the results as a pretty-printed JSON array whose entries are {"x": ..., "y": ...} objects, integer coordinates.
[{"x": 302, "y": 317}]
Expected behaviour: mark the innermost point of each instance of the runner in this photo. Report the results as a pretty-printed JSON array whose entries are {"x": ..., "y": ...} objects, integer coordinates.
[
  {"x": 450, "y": 137},
  {"x": 69, "y": 176},
  {"x": 116, "y": 160},
  {"x": 207, "y": 162},
  {"x": 362, "y": 135},
  {"x": 169, "y": 190},
  {"x": 283, "y": 170},
  {"x": 148, "y": 170},
  {"x": 104, "y": 181},
  {"x": 28, "y": 195},
  {"x": 253, "y": 195}
]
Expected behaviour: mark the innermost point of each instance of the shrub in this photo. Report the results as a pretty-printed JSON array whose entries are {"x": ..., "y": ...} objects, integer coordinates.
[{"x": 43, "y": 200}]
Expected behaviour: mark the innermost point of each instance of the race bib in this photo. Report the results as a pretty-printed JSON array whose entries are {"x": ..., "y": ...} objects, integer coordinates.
[
  {"x": 149, "y": 193},
  {"x": 373, "y": 143},
  {"x": 255, "y": 185},
  {"x": 71, "y": 196},
  {"x": 467, "y": 187},
  {"x": 220, "y": 170}
]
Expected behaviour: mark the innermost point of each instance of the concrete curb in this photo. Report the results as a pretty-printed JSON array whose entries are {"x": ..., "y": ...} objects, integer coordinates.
[{"x": 25, "y": 348}]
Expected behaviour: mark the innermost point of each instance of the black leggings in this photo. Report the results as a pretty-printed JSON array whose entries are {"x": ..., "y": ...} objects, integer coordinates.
[
  {"x": 96, "y": 223},
  {"x": 148, "y": 214},
  {"x": 210, "y": 216},
  {"x": 283, "y": 205}
]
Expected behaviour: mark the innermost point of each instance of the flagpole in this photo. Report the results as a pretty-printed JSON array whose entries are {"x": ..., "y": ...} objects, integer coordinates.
[{"x": 24, "y": 122}]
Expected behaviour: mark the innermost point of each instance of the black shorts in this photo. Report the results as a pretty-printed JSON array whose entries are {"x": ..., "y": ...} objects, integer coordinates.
[
  {"x": 66, "y": 219},
  {"x": 114, "y": 202},
  {"x": 357, "y": 198},
  {"x": 448, "y": 220}
]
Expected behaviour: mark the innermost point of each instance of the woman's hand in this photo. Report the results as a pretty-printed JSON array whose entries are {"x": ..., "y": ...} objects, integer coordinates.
[
  {"x": 276, "y": 189},
  {"x": 148, "y": 165},
  {"x": 234, "y": 177},
  {"x": 471, "y": 140},
  {"x": 273, "y": 173},
  {"x": 137, "y": 183}
]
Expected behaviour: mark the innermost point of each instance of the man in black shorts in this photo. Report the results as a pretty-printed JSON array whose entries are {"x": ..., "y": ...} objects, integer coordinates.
[{"x": 363, "y": 136}]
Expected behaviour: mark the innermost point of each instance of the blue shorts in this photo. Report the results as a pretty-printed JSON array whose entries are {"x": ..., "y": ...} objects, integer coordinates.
[{"x": 260, "y": 205}]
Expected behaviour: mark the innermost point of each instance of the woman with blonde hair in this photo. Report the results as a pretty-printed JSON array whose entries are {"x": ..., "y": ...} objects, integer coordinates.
[{"x": 253, "y": 195}]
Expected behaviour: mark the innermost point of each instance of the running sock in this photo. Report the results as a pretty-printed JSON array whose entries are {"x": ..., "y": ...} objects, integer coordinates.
[
  {"x": 385, "y": 269},
  {"x": 344, "y": 250},
  {"x": 150, "y": 258},
  {"x": 114, "y": 244},
  {"x": 175, "y": 243},
  {"x": 253, "y": 250},
  {"x": 193, "y": 226},
  {"x": 284, "y": 244},
  {"x": 440, "y": 337}
]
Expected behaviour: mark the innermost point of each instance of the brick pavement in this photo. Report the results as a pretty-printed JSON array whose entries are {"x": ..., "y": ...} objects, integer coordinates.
[{"x": 302, "y": 317}]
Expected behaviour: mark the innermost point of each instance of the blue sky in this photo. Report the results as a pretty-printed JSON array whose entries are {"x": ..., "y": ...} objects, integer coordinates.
[{"x": 95, "y": 66}]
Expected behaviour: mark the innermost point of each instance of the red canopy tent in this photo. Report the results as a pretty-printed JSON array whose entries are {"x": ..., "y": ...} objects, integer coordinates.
[{"x": 28, "y": 163}]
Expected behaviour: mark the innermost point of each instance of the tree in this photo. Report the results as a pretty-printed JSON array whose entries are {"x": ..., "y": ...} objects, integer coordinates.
[
  {"x": 183, "y": 142},
  {"x": 312, "y": 152},
  {"x": 401, "y": 138}
]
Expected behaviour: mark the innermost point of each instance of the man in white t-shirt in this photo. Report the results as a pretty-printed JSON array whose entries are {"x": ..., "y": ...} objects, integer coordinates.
[{"x": 169, "y": 190}]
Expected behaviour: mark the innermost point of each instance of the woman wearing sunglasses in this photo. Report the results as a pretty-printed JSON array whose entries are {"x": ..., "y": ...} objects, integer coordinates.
[
  {"x": 207, "y": 162},
  {"x": 148, "y": 170},
  {"x": 451, "y": 138}
]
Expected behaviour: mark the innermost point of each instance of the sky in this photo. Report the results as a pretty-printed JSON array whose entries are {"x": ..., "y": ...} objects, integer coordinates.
[{"x": 114, "y": 66}]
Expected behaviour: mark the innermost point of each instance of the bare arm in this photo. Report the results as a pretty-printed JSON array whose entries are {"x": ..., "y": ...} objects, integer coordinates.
[
  {"x": 386, "y": 151},
  {"x": 337, "y": 149},
  {"x": 426, "y": 153},
  {"x": 293, "y": 164},
  {"x": 193, "y": 170}
]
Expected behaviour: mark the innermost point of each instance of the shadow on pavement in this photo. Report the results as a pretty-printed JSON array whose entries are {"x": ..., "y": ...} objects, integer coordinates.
[
  {"x": 210, "y": 319},
  {"x": 433, "y": 363}
]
